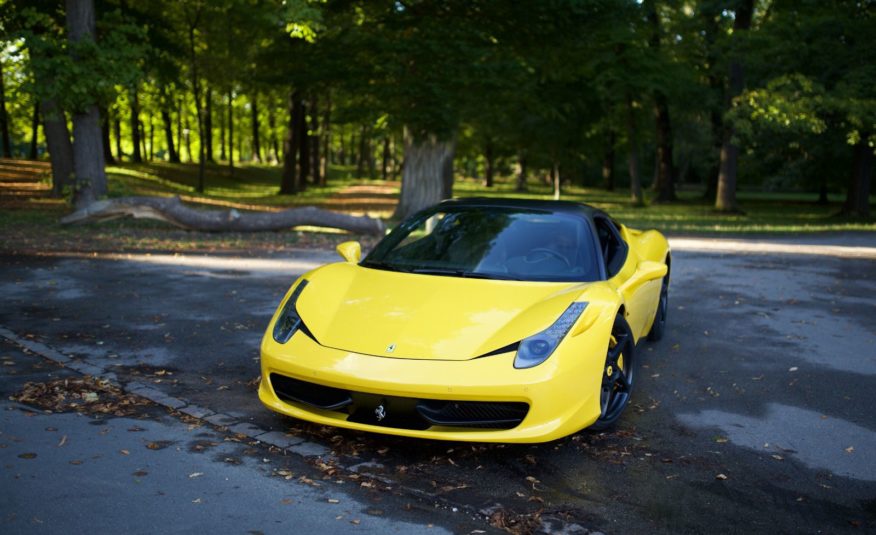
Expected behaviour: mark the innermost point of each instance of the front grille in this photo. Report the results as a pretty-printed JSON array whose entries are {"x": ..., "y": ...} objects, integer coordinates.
[
  {"x": 322, "y": 397},
  {"x": 401, "y": 412}
]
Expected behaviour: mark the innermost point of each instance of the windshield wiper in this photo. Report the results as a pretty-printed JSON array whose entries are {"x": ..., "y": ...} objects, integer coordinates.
[
  {"x": 462, "y": 273},
  {"x": 385, "y": 266}
]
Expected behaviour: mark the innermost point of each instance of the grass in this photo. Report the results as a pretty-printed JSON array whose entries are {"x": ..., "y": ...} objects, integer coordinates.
[{"x": 256, "y": 187}]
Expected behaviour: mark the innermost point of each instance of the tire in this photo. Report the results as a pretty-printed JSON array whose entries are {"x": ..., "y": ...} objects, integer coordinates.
[
  {"x": 658, "y": 328},
  {"x": 618, "y": 375}
]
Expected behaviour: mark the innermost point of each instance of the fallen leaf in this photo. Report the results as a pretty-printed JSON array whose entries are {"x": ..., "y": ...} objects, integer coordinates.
[
  {"x": 124, "y": 452},
  {"x": 722, "y": 477},
  {"x": 332, "y": 500},
  {"x": 27, "y": 456},
  {"x": 355, "y": 522},
  {"x": 793, "y": 369},
  {"x": 850, "y": 449},
  {"x": 62, "y": 441},
  {"x": 195, "y": 474},
  {"x": 197, "y": 500}
]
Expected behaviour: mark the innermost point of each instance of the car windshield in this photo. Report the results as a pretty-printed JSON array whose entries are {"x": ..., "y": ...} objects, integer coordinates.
[{"x": 493, "y": 243}]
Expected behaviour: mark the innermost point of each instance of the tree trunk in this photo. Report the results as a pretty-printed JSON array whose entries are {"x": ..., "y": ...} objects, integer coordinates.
[
  {"x": 142, "y": 126},
  {"x": 88, "y": 164},
  {"x": 35, "y": 131},
  {"x": 230, "y": 132},
  {"x": 608, "y": 163},
  {"x": 633, "y": 159},
  {"x": 4, "y": 119},
  {"x": 151, "y": 138},
  {"x": 521, "y": 171},
  {"x": 136, "y": 156},
  {"x": 711, "y": 30},
  {"x": 303, "y": 147},
  {"x": 314, "y": 140},
  {"x": 208, "y": 125},
  {"x": 360, "y": 160},
  {"x": 105, "y": 136},
  {"x": 664, "y": 185},
  {"x": 555, "y": 180},
  {"x": 173, "y": 211},
  {"x": 858, "y": 197},
  {"x": 384, "y": 163},
  {"x": 489, "y": 160},
  {"x": 59, "y": 146},
  {"x": 172, "y": 155},
  {"x": 326, "y": 139},
  {"x": 187, "y": 136},
  {"x": 256, "y": 145},
  {"x": 289, "y": 181},
  {"x": 117, "y": 134},
  {"x": 196, "y": 89},
  {"x": 221, "y": 135},
  {"x": 725, "y": 200},
  {"x": 424, "y": 177},
  {"x": 272, "y": 126}
]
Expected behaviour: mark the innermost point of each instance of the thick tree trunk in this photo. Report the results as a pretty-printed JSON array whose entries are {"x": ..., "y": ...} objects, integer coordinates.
[
  {"x": 664, "y": 184},
  {"x": 59, "y": 146},
  {"x": 633, "y": 158},
  {"x": 303, "y": 147},
  {"x": 173, "y": 211},
  {"x": 314, "y": 140},
  {"x": 166, "y": 120},
  {"x": 4, "y": 119},
  {"x": 289, "y": 181},
  {"x": 230, "y": 132},
  {"x": 151, "y": 138},
  {"x": 608, "y": 163},
  {"x": 858, "y": 196},
  {"x": 88, "y": 164},
  {"x": 34, "y": 131},
  {"x": 256, "y": 144},
  {"x": 136, "y": 156},
  {"x": 208, "y": 125},
  {"x": 425, "y": 173},
  {"x": 710, "y": 12},
  {"x": 489, "y": 160},
  {"x": 105, "y": 136},
  {"x": 521, "y": 171},
  {"x": 725, "y": 200}
]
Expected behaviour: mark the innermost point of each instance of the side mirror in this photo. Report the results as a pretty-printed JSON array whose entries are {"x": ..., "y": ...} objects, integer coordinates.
[
  {"x": 350, "y": 251},
  {"x": 646, "y": 271}
]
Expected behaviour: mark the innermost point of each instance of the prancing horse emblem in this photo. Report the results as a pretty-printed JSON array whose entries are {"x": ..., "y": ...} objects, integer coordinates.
[
  {"x": 380, "y": 412},
  {"x": 390, "y": 348}
]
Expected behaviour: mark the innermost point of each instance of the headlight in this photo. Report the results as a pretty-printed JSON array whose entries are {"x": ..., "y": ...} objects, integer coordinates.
[
  {"x": 289, "y": 321},
  {"x": 538, "y": 347}
]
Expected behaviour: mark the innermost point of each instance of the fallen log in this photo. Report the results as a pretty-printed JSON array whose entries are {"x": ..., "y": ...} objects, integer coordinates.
[{"x": 173, "y": 211}]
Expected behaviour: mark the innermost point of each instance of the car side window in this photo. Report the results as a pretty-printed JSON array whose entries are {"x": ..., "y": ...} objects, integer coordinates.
[{"x": 614, "y": 250}]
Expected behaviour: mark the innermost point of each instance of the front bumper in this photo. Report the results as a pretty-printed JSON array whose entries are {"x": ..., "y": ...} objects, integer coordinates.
[{"x": 561, "y": 393}]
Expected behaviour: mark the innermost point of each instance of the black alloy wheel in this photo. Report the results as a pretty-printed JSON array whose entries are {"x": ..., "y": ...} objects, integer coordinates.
[{"x": 617, "y": 374}]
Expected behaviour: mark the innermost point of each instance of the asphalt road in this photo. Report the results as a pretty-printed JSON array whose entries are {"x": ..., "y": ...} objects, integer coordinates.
[{"x": 753, "y": 414}]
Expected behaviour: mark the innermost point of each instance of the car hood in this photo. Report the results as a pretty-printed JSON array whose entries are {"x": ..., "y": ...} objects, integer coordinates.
[{"x": 412, "y": 316}]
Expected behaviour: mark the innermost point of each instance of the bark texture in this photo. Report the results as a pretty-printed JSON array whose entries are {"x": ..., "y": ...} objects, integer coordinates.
[
  {"x": 633, "y": 158},
  {"x": 425, "y": 173},
  {"x": 88, "y": 164},
  {"x": 664, "y": 183},
  {"x": 173, "y": 211},
  {"x": 289, "y": 180},
  {"x": 105, "y": 136},
  {"x": 59, "y": 146},
  {"x": 256, "y": 143},
  {"x": 172, "y": 155},
  {"x": 725, "y": 199},
  {"x": 35, "y": 131}
]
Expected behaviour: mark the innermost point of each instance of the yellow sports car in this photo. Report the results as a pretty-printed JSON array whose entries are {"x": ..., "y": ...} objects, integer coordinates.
[{"x": 490, "y": 320}]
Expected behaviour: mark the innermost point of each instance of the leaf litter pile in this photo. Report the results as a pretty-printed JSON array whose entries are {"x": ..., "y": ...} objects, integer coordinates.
[{"x": 83, "y": 394}]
